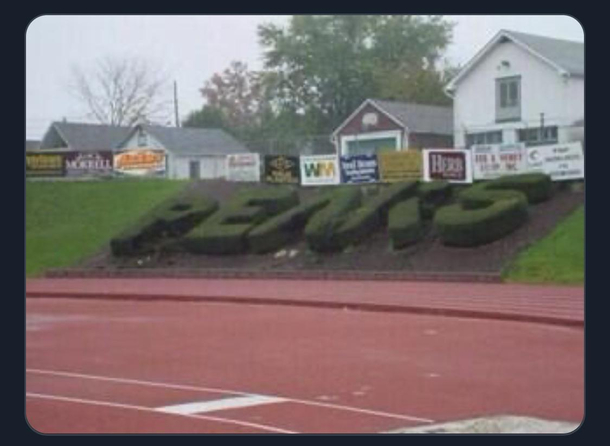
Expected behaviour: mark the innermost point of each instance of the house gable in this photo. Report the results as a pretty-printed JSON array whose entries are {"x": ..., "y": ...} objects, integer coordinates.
[
  {"x": 53, "y": 139},
  {"x": 381, "y": 122}
]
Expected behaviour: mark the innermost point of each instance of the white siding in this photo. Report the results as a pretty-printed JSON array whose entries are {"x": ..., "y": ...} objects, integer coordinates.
[
  {"x": 543, "y": 90},
  {"x": 210, "y": 166},
  {"x": 178, "y": 164}
]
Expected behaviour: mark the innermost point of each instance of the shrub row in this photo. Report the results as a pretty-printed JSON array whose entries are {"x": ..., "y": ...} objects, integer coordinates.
[
  {"x": 432, "y": 195},
  {"x": 372, "y": 215},
  {"x": 322, "y": 226},
  {"x": 284, "y": 228},
  {"x": 405, "y": 223},
  {"x": 537, "y": 187},
  {"x": 226, "y": 231},
  {"x": 172, "y": 218},
  {"x": 457, "y": 226}
]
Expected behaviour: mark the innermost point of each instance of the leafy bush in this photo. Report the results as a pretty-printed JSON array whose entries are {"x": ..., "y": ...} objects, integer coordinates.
[
  {"x": 283, "y": 228},
  {"x": 405, "y": 223},
  {"x": 537, "y": 187},
  {"x": 226, "y": 231},
  {"x": 172, "y": 218},
  {"x": 432, "y": 195},
  {"x": 321, "y": 228},
  {"x": 482, "y": 217},
  {"x": 372, "y": 215}
]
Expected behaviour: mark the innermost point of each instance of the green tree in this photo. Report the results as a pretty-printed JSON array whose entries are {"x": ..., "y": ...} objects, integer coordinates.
[
  {"x": 325, "y": 66},
  {"x": 207, "y": 117}
]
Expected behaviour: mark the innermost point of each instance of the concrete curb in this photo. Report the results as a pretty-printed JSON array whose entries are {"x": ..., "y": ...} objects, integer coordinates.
[
  {"x": 371, "y": 307},
  {"x": 277, "y": 274}
]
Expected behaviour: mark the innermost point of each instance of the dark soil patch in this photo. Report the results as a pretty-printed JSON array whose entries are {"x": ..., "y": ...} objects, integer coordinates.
[{"x": 373, "y": 254}]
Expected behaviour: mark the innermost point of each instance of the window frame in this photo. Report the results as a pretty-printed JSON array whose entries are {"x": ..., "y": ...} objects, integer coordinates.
[{"x": 508, "y": 108}]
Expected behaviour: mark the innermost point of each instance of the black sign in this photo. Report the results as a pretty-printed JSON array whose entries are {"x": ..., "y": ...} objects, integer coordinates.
[
  {"x": 282, "y": 169},
  {"x": 45, "y": 164},
  {"x": 89, "y": 163}
]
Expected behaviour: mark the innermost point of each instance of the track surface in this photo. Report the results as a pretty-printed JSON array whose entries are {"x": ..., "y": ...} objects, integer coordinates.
[
  {"x": 563, "y": 305},
  {"x": 134, "y": 366}
]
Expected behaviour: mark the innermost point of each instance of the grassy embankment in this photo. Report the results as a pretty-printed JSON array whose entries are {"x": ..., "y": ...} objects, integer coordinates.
[
  {"x": 68, "y": 221},
  {"x": 557, "y": 258}
]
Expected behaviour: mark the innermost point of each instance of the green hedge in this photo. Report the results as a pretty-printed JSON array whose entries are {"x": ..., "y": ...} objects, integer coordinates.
[
  {"x": 432, "y": 195},
  {"x": 172, "y": 218},
  {"x": 537, "y": 187},
  {"x": 405, "y": 223},
  {"x": 321, "y": 228},
  {"x": 372, "y": 215},
  {"x": 227, "y": 230},
  {"x": 284, "y": 228},
  {"x": 480, "y": 217}
]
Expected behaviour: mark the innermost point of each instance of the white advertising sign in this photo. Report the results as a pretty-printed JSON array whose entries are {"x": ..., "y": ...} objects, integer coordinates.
[
  {"x": 491, "y": 161},
  {"x": 560, "y": 161},
  {"x": 319, "y": 170},
  {"x": 244, "y": 167}
]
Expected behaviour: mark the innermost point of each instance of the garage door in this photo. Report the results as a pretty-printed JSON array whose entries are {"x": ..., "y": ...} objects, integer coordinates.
[{"x": 370, "y": 146}]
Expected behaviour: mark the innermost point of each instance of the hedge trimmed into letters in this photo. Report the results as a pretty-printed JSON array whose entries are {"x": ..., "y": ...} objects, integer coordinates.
[
  {"x": 432, "y": 195},
  {"x": 405, "y": 223},
  {"x": 490, "y": 210},
  {"x": 226, "y": 231},
  {"x": 321, "y": 228},
  {"x": 172, "y": 218},
  {"x": 283, "y": 228},
  {"x": 537, "y": 187},
  {"x": 372, "y": 215}
]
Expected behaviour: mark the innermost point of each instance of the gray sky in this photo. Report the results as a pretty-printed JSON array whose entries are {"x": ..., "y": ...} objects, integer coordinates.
[{"x": 192, "y": 48}]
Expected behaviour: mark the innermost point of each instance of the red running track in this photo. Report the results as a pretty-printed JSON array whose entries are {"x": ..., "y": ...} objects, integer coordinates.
[
  {"x": 111, "y": 366},
  {"x": 563, "y": 305}
]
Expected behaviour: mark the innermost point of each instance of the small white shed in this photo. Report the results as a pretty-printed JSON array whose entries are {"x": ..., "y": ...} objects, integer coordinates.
[{"x": 190, "y": 152}]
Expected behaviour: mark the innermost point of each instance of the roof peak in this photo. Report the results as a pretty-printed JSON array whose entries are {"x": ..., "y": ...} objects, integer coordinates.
[{"x": 540, "y": 36}]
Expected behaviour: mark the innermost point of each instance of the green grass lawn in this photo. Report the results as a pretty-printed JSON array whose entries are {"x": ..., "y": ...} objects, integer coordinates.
[
  {"x": 557, "y": 258},
  {"x": 67, "y": 221}
]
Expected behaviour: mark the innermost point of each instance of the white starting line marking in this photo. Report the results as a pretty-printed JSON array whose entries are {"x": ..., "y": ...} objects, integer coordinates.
[
  {"x": 221, "y": 404},
  {"x": 165, "y": 385},
  {"x": 151, "y": 410}
]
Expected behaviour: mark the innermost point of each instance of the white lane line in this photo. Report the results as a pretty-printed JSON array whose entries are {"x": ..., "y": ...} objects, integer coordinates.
[
  {"x": 152, "y": 410},
  {"x": 222, "y": 404},
  {"x": 228, "y": 392}
]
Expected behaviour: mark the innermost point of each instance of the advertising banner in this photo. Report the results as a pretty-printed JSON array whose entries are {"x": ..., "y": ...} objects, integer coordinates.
[
  {"x": 450, "y": 165},
  {"x": 491, "y": 161},
  {"x": 319, "y": 170},
  {"x": 560, "y": 161},
  {"x": 140, "y": 162},
  {"x": 400, "y": 166},
  {"x": 88, "y": 163},
  {"x": 282, "y": 169},
  {"x": 359, "y": 169},
  {"x": 243, "y": 167},
  {"x": 45, "y": 164}
]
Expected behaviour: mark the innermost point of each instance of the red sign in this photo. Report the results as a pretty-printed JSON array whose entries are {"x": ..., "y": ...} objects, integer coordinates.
[{"x": 447, "y": 165}]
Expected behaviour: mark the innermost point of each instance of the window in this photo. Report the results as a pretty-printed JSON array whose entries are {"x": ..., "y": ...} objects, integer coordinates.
[
  {"x": 538, "y": 135},
  {"x": 508, "y": 99},
  {"x": 494, "y": 137},
  {"x": 142, "y": 138}
]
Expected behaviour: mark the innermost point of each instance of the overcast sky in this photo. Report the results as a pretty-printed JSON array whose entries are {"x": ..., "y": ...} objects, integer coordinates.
[{"x": 193, "y": 48}]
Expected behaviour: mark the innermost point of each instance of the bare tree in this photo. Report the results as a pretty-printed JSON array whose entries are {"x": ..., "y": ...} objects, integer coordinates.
[{"x": 122, "y": 91}]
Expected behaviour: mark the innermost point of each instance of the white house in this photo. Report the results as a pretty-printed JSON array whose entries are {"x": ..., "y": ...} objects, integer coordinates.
[
  {"x": 182, "y": 152},
  {"x": 190, "y": 152},
  {"x": 520, "y": 88}
]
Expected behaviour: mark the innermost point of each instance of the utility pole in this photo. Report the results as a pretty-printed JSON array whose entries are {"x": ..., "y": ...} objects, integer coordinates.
[{"x": 176, "y": 104}]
